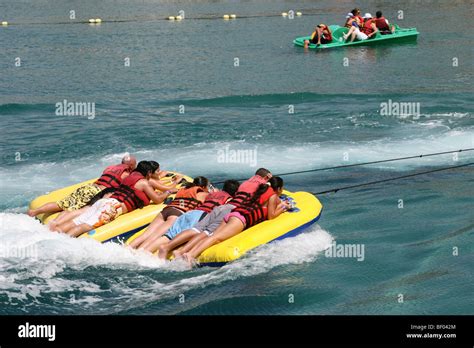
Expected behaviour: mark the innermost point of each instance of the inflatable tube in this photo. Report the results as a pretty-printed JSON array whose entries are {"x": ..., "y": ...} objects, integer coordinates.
[{"x": 307, "y": 210}]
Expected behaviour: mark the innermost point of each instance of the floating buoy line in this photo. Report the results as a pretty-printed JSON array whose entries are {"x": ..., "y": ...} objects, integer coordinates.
[{"x": 291, "y": 14}]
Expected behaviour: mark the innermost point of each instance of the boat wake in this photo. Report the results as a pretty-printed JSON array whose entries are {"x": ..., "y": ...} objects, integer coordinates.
[{"x": 48, "y": 273}]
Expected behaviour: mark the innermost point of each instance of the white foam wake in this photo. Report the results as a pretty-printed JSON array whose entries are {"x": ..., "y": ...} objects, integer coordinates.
[{"x": 34, "y": 263}]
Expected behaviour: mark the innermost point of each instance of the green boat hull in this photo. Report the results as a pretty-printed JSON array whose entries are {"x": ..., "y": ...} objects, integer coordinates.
[{"x": 400, "y": 34}]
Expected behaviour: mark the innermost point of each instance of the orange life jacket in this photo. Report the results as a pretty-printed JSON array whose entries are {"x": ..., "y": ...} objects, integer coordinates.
[{"x": 186, "y": 199}]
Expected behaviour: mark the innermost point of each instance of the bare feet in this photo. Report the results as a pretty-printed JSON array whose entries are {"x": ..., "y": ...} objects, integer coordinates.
[
  {"x": 177, "y": 254},
  {"x": 31, "y": 212},
  {"x": 189, "y": 260},
  {"x": 163, "y": 252},
  {"x": 52, "y": 225}
]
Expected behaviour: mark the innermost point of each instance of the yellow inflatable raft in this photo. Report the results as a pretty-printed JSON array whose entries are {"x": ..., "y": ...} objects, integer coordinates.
[
  {"x": 118, "y": 230},
  {"x": 307, "y": 210}
]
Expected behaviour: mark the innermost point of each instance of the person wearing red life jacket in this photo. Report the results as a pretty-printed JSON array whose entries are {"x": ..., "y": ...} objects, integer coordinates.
[
  {"x": 188, "y": 198},
  {"x": 264, "y": 205},
  {"x": 383, "y": 25},
  {"x": 322, "y": 35},
  {"x": 134, "y": 192},
  {"x": 111, "y": 177},
  {"x": 368, "y": 30},
  {"x": 186, "y": 221},
  {"x": 213, "y": 220}
]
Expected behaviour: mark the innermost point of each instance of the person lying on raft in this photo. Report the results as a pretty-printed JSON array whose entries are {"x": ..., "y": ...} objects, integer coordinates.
[
  {"x": 369, "y": 29},
  {"x": 187, "y": 198},
  {"x": 155, "y": 183},
  {"x": 112, "y": 176},
  {"x": 212, "y": 221},
  {"x": 135, "y": 192},
  {"x": 383, "y": 25},
  {"x": 321, "y": 35},
  {"x": 189, "y": 219},
  {"x": 264, "y": 205}
]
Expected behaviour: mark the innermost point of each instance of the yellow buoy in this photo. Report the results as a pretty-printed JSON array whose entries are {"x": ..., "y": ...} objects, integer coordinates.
[
  {"x": 233, "y": 16},
  {"x": 92, "y": 20},
  {"x": 226, "y": 17},
  {"x": 178, "y": 18},
  {"x": 299, "y": 14},
  {"x": 284, "y": 14},
  {"x": 4, "y": 23},
  {"x": 98, "y": 20},
  {"x": 171, "y": 18}
]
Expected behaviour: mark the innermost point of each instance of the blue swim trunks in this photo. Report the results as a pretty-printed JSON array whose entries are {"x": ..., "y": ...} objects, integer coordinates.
[{"x": 184, "y": 222}]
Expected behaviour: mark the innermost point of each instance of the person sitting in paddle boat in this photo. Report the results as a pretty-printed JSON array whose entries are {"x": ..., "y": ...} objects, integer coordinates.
[
  {"x": 358, "y": 17},
  {"x": 383, "y": 25},
  {"x": 368, "y": 30},
  {"x": 135, "y": 192},
  {"x": 188, "y": 220},
  {"x": 112, "y": 176},
  {"x": 353, "y": 19},
  {"x": 264, "y": 205},
  {"x": 321, "y": 35},
  {"x": 207, "y": 226},
  {"x": 188, "y": 198},
  {"x": 354, "y": 22}
]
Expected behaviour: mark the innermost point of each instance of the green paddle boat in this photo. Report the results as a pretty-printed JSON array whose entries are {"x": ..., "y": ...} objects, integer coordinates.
[{"x": 400, "y": 34}]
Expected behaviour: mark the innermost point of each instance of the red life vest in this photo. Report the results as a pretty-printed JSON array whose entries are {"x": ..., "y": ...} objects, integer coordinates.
[
  {"x": 328, "y": 35},
  {"x": 186, "y": 199},
  {"x": 247, "y": 189},
  {"x": 381, "y": 23},
  {"x": 127, "y": 194},
  {"x": 213, "y": 200},
  {"x": 367, "y": 28},
  {"x": 112, "y": 176},
  {"x": 255, "y": 213}
]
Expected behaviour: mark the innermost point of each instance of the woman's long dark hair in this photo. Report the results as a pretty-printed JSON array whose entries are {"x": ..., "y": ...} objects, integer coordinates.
[
  {"x": 144, "y": 168},
  {"x": 275, "y": 183},
  {"x": 198, "y": 181}
]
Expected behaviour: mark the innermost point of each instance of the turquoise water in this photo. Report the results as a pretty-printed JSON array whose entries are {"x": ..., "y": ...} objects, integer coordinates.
[{"x": 336, "y": 121}]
